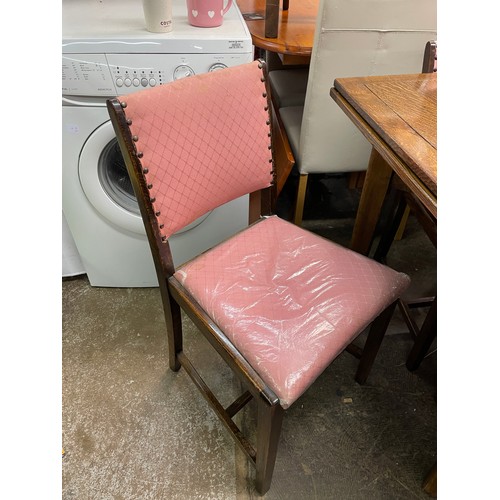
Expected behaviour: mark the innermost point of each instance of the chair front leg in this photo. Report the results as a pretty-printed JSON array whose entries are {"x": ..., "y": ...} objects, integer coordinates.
[
  {"x": 300, "y": 200},
  {"x": 269, "y": 420}
]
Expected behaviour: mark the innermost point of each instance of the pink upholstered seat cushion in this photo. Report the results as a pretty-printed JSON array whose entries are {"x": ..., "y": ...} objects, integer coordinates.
[{"x": 289, "y": 300}]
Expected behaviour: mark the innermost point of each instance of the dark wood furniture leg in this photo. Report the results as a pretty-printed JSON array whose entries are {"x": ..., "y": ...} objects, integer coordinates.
[
  {"x": 373, "y": 342},
  {"x": 424, "y": 339},
  {"x": 388, "y": 236},
  {"x": 378, "y": 177},
  {"x": 272, "y": 18},
  {"x": 269, "y": 423}
]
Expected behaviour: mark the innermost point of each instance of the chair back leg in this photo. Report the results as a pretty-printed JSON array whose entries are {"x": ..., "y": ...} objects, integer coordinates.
[{"x": 173, "y": 321}]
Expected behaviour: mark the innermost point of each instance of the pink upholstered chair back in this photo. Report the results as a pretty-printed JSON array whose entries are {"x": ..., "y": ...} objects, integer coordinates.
[{"x": 202, "y": 141}]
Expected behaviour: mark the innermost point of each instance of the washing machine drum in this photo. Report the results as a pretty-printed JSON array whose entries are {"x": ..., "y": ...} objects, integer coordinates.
[
  {"x": 106, "y": 183},
  {"x": 114, "y": 177}
]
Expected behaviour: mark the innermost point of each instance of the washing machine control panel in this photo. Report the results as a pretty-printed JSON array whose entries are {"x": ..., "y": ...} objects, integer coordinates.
[{"x": 109, "y": 75}]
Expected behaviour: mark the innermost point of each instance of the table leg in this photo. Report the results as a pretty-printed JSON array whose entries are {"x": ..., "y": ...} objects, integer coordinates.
[{"x": 378, "y": 177}]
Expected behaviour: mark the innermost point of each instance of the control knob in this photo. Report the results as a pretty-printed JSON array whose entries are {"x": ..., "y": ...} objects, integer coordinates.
[
  {"x": 216, "y": 67},
  {"x": 182, "y": 71}
]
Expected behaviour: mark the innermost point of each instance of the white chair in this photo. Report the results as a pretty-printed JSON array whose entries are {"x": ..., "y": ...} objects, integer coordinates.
[{"x": 362, "y": 38}]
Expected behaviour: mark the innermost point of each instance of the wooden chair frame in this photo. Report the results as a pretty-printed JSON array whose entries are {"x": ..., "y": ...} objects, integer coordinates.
[{"x": 175, "y": 297}]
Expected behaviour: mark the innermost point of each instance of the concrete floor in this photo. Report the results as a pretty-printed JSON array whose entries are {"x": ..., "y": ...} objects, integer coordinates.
[{"x": 133, "y": 429}]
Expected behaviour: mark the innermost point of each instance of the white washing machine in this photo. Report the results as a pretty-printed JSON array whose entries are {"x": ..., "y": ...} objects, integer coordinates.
[{"x": 106, "y": 51}]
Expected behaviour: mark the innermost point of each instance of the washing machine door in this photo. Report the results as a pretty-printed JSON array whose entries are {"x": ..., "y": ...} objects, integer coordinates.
[{"x": 105, "y": 181}]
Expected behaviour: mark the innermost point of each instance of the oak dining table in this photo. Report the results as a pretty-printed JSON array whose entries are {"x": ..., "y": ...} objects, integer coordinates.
[
  {"x": 398, "y": 115},
  {"x": 295, "y": 32}
]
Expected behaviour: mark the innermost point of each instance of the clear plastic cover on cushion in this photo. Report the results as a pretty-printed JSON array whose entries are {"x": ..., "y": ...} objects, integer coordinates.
[{"x": 289, "y": 300}]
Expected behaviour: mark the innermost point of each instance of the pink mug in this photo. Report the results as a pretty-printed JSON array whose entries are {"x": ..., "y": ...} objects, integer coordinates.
[{"x": 206, "y": 13}]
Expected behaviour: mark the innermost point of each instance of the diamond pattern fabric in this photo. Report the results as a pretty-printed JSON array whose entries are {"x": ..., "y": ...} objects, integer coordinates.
[
  {"x": 289, "y": 300},
  {"x": 204, "y": 141}
]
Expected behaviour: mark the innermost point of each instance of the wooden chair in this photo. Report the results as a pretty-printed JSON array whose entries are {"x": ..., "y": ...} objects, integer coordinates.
[
  {"x": 367, "y": 37},
  {"x": 277, "y": 303}
]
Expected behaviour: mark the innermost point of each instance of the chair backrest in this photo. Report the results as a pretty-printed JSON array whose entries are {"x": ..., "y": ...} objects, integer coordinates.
[
  {"x": 195, "y": 144},
  {"x": 356, "y": 38}
]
